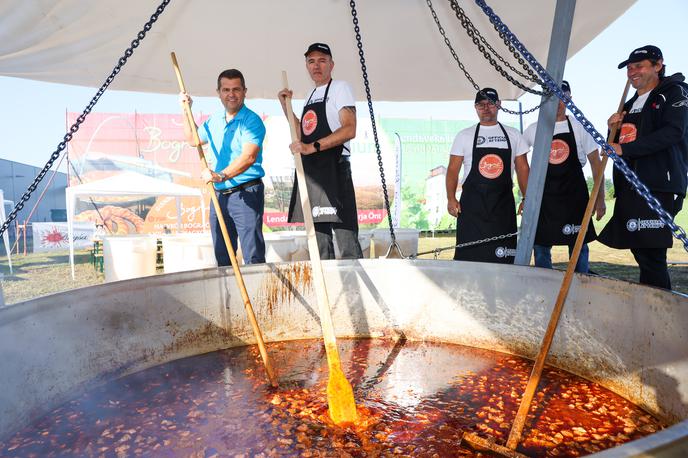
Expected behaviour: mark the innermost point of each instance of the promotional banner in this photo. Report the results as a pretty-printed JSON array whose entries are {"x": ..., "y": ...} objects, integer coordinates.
[
  {"x": 154, "y": 145},
  {"x": 425, "y": 145},
  {"x": 53, "y": 236}
]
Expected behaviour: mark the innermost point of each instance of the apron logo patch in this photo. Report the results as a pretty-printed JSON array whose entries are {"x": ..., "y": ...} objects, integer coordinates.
[
  {"x": 504, "y": 252},
  {"x": 309, "y": 122},
  {"x": 324, "y": 211},
  {"x": 628, "y": 132},
  {"x": 638, "y": 224},
  {"x": 491, "y": 166},
  {"x": 480, "y": 140},
  {"x": 569, "y": 229},
  {"x": 559, "y": 152}
]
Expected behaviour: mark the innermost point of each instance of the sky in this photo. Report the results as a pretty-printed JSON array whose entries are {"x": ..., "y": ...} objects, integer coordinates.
[{"x": 34, "y": 120}]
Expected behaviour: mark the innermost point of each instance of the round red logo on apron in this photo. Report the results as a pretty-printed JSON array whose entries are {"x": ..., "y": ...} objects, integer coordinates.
[
  {"x": 309, "y": 122},
  {"x": 491, "y": 166},
  {"x": 559, "y": 152},
  {"x": 628, "y": 132}
]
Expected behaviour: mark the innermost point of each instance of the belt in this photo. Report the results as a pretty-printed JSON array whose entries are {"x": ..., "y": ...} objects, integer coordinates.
[{"x": 241, "y": 187}]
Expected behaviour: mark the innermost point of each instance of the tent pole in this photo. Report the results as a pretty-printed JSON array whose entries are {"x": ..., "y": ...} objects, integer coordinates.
[
  {"x": 70, "y": 230},
  {"x": 556, "y": 60},
  {"x": 5, "y": 237}
]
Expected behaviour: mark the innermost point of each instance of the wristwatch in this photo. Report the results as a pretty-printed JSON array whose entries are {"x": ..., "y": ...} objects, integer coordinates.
[
  {"x": 223, "y": 176},
  {"x": 316, "y": 145}
]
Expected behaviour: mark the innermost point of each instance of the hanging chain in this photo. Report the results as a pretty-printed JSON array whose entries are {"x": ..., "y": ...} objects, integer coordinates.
[
  {"x": 437, "y": 251},
  {"x": 676, "y": 230},
  {"x": 366, "y": 83},
  {"x": 462, "y": 67},
  {"x": 475, "y": 36},
  {"x": 82, "y": 117}
]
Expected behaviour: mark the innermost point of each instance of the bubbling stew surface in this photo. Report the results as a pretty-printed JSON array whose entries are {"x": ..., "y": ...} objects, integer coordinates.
[{"x": 414, "y": 399}]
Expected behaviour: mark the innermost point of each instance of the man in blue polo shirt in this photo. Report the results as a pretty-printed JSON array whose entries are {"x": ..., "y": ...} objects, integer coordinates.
[{"x": 235, "y": 155}]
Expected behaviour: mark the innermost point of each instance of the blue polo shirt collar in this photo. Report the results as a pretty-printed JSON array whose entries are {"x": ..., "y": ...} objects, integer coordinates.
[{"x": 243, "y": 111}]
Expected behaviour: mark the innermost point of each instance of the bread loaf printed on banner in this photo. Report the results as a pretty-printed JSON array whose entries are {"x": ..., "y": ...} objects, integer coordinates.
[{"x": 117, "y": 220}]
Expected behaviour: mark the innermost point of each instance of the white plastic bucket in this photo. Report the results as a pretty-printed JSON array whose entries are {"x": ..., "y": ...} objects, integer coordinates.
[
  {"x": 278, "y": 248},
  {"x": 300, "y": 244},
  {"x": 364, "y": 239},
  {"x": 300, "y": 241},
  {"x": 407, "y": 239},
  {"x": 187, "y": 252},
  {"x": 130, "y": 256}
]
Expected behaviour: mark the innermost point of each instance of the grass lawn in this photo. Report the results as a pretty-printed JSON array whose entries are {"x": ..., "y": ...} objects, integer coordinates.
[
  {"x": 605, "y": 261},
  {"x": 38, "y": 274}
]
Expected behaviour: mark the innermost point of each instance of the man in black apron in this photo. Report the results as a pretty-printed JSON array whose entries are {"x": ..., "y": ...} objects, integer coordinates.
[
  {"x": 487, "y": 208},
  {"x": 565, "y": 194},
  {"x": 328, "y": 122},
  {"x": 653, "y": 140}
]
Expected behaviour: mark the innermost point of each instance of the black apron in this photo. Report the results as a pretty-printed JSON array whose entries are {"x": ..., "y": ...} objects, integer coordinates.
[
  {"x": 487, "y": 206},
  {"x": 633, "y": 224},
  {"x": 320, "y": 168},
  {"x": 565, "y": 195}
]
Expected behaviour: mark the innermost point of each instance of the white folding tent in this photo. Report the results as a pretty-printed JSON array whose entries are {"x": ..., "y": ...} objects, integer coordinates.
[
  {"x": 5, "y": 235},
  {"x": 79, "y": 41},
  {"x": 125, "y": 184}
]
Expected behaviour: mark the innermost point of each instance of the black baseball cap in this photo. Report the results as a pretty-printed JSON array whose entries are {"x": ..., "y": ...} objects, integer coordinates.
[
  {"x": 320, "y": 47},
  {"x": 639, "y": 54},
  {"x": 487, "y": 93},
  {"x": 565, "y": 86}
]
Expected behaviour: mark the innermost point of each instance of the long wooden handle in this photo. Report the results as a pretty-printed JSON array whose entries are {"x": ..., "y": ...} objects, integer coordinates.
[
  {"x": 225, "y": 234},
  {"x": 340, "y": 395},
  {"x": 318, "y": 276},
  {"x": 519, "y": 421}
]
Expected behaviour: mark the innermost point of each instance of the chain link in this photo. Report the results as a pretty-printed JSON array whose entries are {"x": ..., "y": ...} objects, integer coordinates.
[
  {"x": 480, "y": 42},
  {"x": 676, "y": 230},
  {"x": 364, "y": 71},
  {"x": 462, "y": 67},
  {"x": 437, "y": 251},
  {"x": 82, "y": 117}
]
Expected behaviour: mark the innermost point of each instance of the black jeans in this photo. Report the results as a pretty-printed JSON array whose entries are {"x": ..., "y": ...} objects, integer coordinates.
[
  {"x": 346, "y": 232},
  {"x": 653, "y": 261}
]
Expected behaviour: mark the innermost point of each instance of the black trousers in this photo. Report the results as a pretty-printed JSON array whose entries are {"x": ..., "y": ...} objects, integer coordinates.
[
  {"x": 653, "y": 261},
  {"x": 346, "y": 232},
  {"x": 653, "y": 266}
]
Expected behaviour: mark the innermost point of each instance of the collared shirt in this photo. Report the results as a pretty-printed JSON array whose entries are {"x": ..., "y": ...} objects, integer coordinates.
[{"x": 227, "y": 139}]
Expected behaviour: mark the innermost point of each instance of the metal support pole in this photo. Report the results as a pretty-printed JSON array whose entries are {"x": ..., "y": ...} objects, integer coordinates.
[
  {"x": 556, "y": 60},
  {"x": 396, "y": 210}
]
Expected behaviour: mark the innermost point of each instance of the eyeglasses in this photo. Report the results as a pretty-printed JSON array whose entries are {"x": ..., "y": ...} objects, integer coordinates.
[{"x": 484, "y": 105}]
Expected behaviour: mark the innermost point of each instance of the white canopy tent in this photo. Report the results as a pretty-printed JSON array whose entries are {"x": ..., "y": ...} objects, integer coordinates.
[
  {"x": 5, "y": 235},
  {"x": 79, "y": 42},
  {"x": 125, "y": 184}
]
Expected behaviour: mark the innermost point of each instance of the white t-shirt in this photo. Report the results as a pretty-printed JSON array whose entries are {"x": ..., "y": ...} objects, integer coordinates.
[
  {"x": 339, "y": 96},
  {"x": 488, "y": 137},
  {"x": 584, "y": 142},
  {"x": 639, "y": 103}
]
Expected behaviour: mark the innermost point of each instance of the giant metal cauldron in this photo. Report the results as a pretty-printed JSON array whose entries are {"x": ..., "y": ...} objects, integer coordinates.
[{"x": 626, "y": 337}]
